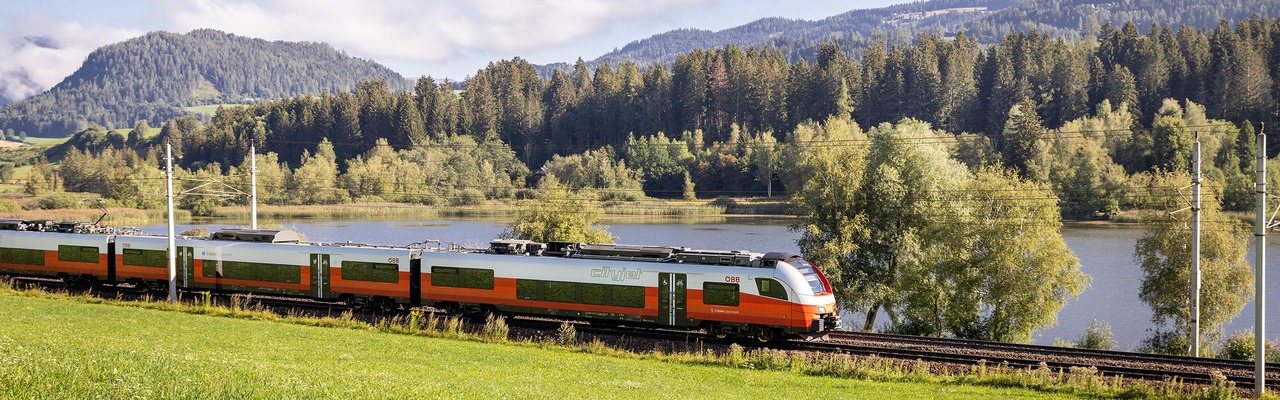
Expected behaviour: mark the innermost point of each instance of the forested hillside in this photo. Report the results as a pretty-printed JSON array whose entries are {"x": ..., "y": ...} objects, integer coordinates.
[
  {"x": 984, "y": 20},
  {"x": 152, "y": 76},
  {"x": 1102, "y": 122}
]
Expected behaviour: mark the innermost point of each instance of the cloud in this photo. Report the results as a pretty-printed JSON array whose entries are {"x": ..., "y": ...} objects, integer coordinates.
[
  {"x": 40, "y": 51},
  {"x": 430, "y": 31},
  {"x": 434, "y": 32}
]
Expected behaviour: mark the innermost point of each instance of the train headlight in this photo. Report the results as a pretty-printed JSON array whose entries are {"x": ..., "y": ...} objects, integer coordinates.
[{"x": 822, "y": 310}]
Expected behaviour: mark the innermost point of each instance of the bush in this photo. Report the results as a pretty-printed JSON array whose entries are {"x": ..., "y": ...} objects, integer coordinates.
[
  {"x": 58, "y": 201},
  {"x": 7, "y": 205},
  {"x": 567, "y": 334},
  {"x": 1096, "y": 336},
  {"x": 619, "y": 194},
  {"x": 428, "y": 199},
  {"x": 526, "y": 194},
  {"x": 1165, "y": 342},
  {"x": 1240, "y": 347},
  {"x": 467, "y": 197},
  {"x": 724, "y": 201},
  {"x": 495, "y": 328}
]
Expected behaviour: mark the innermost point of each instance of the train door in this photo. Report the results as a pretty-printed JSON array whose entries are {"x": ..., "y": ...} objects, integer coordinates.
[
  {"x": 319, "y": 273},
  {"x": 186, "y": 264},
  {"x": 415, "y": 282},
  {"x": 672, "y": 291},
  {"x": 111, "y": 259}
]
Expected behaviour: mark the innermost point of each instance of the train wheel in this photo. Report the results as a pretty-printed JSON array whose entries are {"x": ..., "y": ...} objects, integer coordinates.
[
  {"x": 765, "y": 335},
  {"x": 717, "y": 332}
]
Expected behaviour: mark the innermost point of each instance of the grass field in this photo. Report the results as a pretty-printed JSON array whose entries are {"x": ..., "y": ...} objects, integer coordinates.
[
  {"x": 208, "y": 109},
  {"x": 151, "y": 131},
  {"x": 41, "y": 141},
  {"x": 62, "y": 348}
]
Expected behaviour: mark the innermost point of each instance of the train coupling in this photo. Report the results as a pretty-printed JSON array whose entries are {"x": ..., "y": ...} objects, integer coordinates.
[{"x": 825, "y": 322}]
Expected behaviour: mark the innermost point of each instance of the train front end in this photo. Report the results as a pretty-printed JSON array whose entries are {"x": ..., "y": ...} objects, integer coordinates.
[{"x": 814, "y": 309}]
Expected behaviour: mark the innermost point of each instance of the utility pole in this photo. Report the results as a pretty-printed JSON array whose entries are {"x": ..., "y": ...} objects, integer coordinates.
[
  {"x": 1195, "y": 247},
  {"x": 253, "y": 187},
  {"x": 173, "y": 261},
  {"x": 1259, "y": 268}
]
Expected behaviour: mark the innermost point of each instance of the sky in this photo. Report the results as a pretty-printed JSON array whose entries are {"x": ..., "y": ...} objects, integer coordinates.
[{"x": 440, "y": 38}]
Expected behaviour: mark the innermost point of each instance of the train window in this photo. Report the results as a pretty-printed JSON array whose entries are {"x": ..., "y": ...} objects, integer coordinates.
[
  {"x": 445, "y": 276},
  {"x": 469, "y": 278},
  {"x": 370, "y": 272},
  {"x": 146, "y": 258},
  {"x": 477, "y": 278},
  {"x": 593, "y": 293},
  {"x": 527, "y": 289},
  {"x": 564, "y": 292},
  {"x": 22, "y": 256},
  {"x": 771, "y": 288},
  {"x": 580, "y": 293},
  {"x": 626, "y": 296},
  {"x": 810, "y": 275},
  {"x": 85, "y": 254},
  {"x": 253, "y": 271},
  {"x": 721, "y": 294}
]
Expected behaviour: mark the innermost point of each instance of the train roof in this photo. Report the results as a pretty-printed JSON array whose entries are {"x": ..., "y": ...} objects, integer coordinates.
[{"x": 256, "y": 235}]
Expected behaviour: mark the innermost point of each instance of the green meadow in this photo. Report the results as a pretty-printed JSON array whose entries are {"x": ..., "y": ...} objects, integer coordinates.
[{"x": 56, "y": 348}]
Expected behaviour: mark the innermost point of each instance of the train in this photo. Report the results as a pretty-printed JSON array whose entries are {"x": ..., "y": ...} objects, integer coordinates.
[{"x": 727, "y": 294}]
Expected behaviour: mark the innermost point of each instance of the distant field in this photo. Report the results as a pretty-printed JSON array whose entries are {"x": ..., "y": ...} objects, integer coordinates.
[
  {"x": 52, "y": 348},
  {"x": 40, "y": 141},
  {"x": 208, "y": 109}
]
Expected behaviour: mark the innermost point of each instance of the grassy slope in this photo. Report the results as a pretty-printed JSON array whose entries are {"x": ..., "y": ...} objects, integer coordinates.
[
  {"x": 67, "y": 349},
  {"x": 208, "y": 109},
  {"x": 42, "y": 141}
]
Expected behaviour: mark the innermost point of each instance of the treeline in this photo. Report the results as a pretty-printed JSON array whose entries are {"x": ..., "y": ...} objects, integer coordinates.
[
  {"x": 1073, "y": 18},
  {"x": 1094, "y": 121},
  {"x": 151, "y": 76},
  {"x": 953, "y": 84},
  {"x": 899, "y": 24}
]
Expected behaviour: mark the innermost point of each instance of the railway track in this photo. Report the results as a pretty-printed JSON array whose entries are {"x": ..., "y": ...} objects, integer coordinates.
[
  {"x": 973, "y": 352},
  {"x": 951, "y": 352}
]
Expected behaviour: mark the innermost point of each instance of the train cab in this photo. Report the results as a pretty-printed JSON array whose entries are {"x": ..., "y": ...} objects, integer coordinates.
[{"x": 815, "y": 304}]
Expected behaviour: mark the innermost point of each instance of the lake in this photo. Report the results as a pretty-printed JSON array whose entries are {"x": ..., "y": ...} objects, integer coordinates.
[{"x": 1105, "y": 252}]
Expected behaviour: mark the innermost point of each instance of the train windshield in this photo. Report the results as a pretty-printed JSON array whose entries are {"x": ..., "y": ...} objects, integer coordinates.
[{"x": 811, "y": 275}]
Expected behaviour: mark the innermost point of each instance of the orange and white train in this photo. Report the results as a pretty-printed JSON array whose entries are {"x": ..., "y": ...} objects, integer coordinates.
[{"x": 725, "y": 293}]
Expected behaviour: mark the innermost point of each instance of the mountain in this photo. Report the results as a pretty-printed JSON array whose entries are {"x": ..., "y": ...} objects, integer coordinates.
[
  {"x": 986, "y": 20},
  {"x": 151, "y": 77}
]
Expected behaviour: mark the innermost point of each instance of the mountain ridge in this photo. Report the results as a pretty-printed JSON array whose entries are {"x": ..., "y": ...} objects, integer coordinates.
[{"x": 152, "y": 76}]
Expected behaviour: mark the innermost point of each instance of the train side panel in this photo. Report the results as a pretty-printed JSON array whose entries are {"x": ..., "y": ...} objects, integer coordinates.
[
  {"x": 252, "y": 267},
  {"x": 54, "y": 254},
  {"x": 370, "y": 272},
  {"x": 142, "y": 258},
  {"x": 614, "y": 290}
]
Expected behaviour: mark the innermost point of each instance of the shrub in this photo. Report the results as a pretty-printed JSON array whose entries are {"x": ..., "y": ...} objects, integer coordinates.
[
  {"x": 1240, "y": 345},
  {"x": 495, "y": 328},
  {"x": 58, "y": 201},
  {"x": 567, "y": 334},
  {"x": 467, "y": 197},
  {"x": 428, "y": 199},
  {"x": 619, "y": 194},
  {"x": 7, "y": 205},
  {"x": 1097, "y": 336}
]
